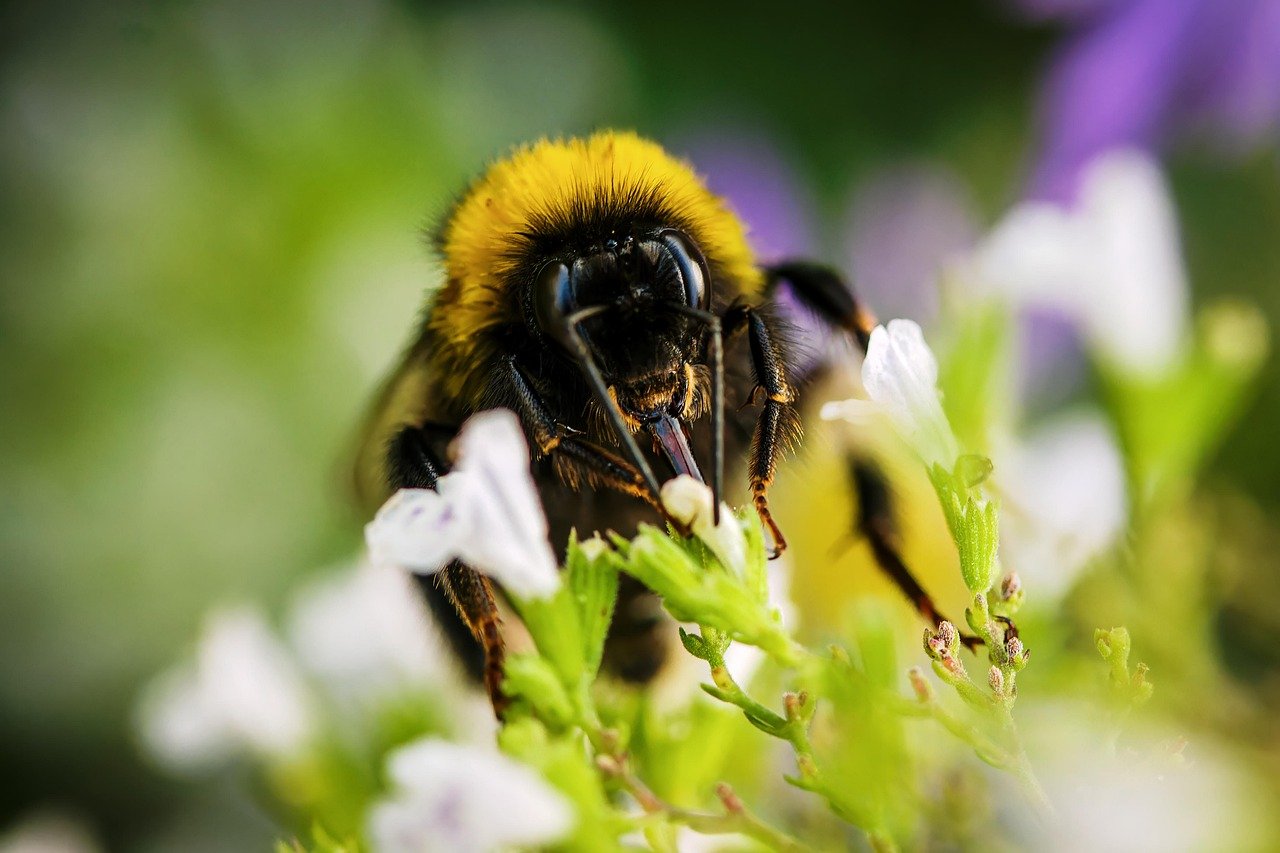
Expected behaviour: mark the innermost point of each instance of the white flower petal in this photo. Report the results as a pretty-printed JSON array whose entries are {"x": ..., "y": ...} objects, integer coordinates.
[
  {"x": 454, "y": 797},
  {"x": 1038, "y": 254},
  {"x": 854, "y": 411},
  {"x": 485, "y": 512},
  {"x": 492, "y": 447},
  {"x": 418, "y": 529},
  {"x": 1113, "y": 263},
  {"x": 900, "y": 374},
  {"x": 1139, "y": 316},
  {"x": 241, "y": 692},
  {"x": 178, "y": 728},
  {"x": 1066, "y": 499},
  {"x": 248, "y": 675},
  {"x": 690, "y": 502},
  {"x": 365, "y": 632}
]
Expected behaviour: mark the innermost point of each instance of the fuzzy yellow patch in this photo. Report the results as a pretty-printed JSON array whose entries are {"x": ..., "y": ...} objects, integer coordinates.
[{"x": 554, "y": 181}]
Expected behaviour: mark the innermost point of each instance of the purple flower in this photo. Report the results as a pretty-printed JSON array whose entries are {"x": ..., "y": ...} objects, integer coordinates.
[
  {"x": 748, "y": 170},
  {"x": 1134, "y": 72},
  {"x": 906, "y": 224}
]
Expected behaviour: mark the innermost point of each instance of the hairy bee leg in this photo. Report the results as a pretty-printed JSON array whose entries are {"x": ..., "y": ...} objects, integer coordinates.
[
  {"x": 576, "y": 459},
  {"x": 825, "y": 292},
  {"x": 460, "y": 598},
  {"x": 778, "y": 426}
]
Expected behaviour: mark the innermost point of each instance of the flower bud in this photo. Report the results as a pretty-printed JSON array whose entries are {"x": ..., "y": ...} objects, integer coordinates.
[
  {"x": 934, "y": 646},
  {"x": 954, "y": 666},
  {"x": 950, "y": 637},
  {"x": 1016, "y": 652},
  {"x": 995, "y": 678},
  {"x": 922, "y": 688},
  {"x": 1010, "y": 586}
]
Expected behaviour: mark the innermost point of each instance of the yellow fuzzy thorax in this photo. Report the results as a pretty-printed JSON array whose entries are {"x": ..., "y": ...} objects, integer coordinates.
[{"x": 553, "y": 183}]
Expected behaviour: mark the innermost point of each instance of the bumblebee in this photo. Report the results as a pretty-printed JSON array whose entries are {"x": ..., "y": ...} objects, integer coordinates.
[{"x": 600, "y": 291}]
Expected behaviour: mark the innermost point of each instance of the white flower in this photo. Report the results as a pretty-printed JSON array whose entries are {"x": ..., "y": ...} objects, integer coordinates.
[
  {"x": 450, "y": 797},
  {"x": 900, "y": 376},
  {"x": 1066, "y": 499},
  {"x": 690, "y": 503},
  {"x": 48, "y": 832},
  {"x": 485, "y": 512},
  {"x": 1112, "y": 262},
  {"x": 365, "y": 633},
  {"x": 242, "y": 692},
  {"x": 1137, "y": 799}
]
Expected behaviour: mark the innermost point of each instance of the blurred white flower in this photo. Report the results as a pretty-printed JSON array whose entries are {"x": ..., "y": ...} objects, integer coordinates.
[
  {"x": 450, "y": 797},
  {"x": 365, "y": 632},
  {"x": 48, "y": 832},
  {"x": 242, "y": 692},
  {"x": 900, "y": 376},
  {"x": 690, "y": 502},
  {"x": 1139, "y": 799},
  {"x": 485, "y": 512},
  {"x": 1066, "y": 500},
  {"x": 1112, "y": 262}
]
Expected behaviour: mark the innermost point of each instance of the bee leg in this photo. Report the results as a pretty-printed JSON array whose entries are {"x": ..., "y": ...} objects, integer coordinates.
[
  {"x": 778, "y": 426},
  {"x": 460, "y": 598},
  {"x": 575, "y": 458},
  {"x": 825, "y": 292}
]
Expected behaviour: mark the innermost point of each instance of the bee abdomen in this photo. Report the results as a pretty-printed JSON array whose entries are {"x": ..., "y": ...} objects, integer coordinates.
[{"x": 640, "y": 636}]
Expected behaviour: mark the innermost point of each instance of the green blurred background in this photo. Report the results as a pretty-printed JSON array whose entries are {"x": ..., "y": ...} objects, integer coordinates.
[{"x": 211, "y": 249}]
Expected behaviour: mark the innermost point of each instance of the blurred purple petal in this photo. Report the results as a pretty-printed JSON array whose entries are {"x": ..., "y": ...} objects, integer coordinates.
[
  {"x": 748, "y": 170},
  {"x": 1110, "y": 87},
  {"x": 1138, "y": 71},
  {"x": 1235, "y": 81},
  {"x": 1062, "y": 10},
  {"x": 1050, "y": 358},
  {"x": 768, "y": 195},
  {"x": 905, "y": 225}
]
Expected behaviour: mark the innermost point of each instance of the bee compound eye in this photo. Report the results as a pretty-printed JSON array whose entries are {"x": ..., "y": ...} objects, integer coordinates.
[
  {"x": 553, "y": 301},
  {"x": 693, "y": 270}
]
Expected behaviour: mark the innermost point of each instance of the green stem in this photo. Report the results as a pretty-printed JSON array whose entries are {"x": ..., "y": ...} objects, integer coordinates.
[
  {"x": 736, "y": 818},
  {"x": 794, "y": 729},
  {"x": 985, "y": 748}
]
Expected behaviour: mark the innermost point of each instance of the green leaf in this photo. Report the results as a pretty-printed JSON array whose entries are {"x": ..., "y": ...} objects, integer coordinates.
[
  {"x": 974, "y": 523},
  {"x": 1169, "y": 424},
  {"x": 555, "y": 626},
  {"x": 566, "y": 765},
  {"x": 592, "y": 579},
  {"x": 532, "y": 679},
  {"x": 971, "y": 372},
  {"x": 707, "y": 594}
]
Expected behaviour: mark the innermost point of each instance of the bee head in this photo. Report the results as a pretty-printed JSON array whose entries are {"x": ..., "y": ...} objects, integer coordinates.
[{"x": 626, "y": 298}]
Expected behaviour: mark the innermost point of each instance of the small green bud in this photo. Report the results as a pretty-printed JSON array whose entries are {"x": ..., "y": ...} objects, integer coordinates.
[
  {"x": 972, "y": 469},
  {"x": 694, "y": 645},
  {"x": 1142, "y": 688}
]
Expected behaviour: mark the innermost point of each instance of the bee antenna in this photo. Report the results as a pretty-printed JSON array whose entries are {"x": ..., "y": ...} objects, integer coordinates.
[
  {"x": 601, "y": 392},
  {"x": 717, "y": 399}
]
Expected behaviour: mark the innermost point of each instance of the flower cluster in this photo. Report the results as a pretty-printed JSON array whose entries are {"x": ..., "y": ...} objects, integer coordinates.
[{"x": 360, "y": 730}]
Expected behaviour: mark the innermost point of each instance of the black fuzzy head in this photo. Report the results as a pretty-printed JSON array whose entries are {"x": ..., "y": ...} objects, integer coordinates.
[{"x": 630, "y": 299}]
